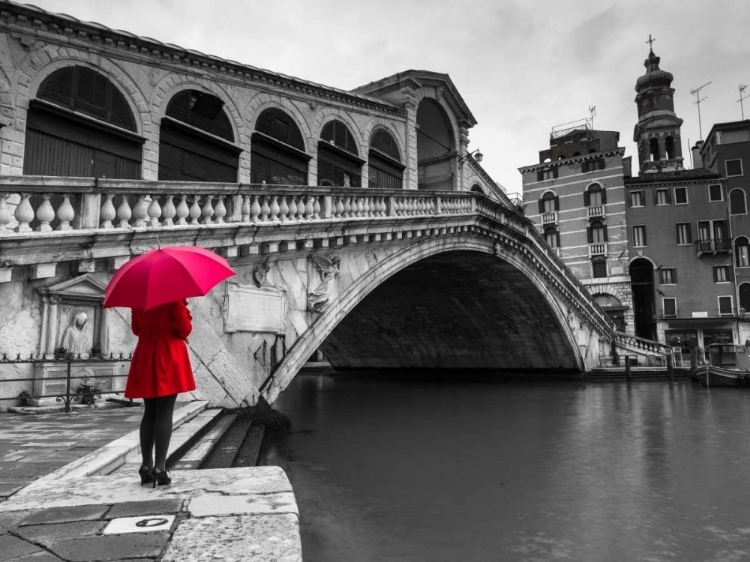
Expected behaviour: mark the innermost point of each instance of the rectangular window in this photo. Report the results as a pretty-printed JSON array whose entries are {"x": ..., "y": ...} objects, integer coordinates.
[
  {"x": 680, "y": 196},
  {"x": 725, "y": 305},
  {"x": 734, "y": 168},
  {"x": 668, "y": 276},
  {"x": 684, "y": 234},
  {"x": 715, "y": 193},
  {"x": 670, "y": 307},
  {"x": 636, "y": 199},
  {"x": 549, "y": 174},
  {"x": 662, "y": 197},
  {"x": 599, "y": 269},
  {"x": 639, "y": 236},
  {"x": 722, "y": 274},
  {"x": 593, "y": 165}
]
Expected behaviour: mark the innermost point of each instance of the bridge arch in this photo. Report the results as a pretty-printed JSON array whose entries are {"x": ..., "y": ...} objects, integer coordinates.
[{"x": 447, "y": 256}]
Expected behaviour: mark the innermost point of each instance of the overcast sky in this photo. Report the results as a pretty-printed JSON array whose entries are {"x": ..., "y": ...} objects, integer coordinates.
[{"x": 522, "y": 66}]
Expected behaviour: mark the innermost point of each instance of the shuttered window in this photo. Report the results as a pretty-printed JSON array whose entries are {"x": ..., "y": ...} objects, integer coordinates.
[
  {"x": 338, "y": 161},
  {"x": 278, "y": 150},
  {"x": 385, "y": 168},
  {"x": 203, "y": 111}
]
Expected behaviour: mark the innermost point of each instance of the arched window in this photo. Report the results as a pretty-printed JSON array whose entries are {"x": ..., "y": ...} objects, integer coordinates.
[
  {"x": 594, "y": 196},
  {"x": 338, "y": 158},
  {"x": 197, "y": 142},
  {"x": 80, "y": 124},
  {"x": 742, "y": 252},
  {"x": 737, "y": 205},
  {"x": 385, "y": 168},
  {"x": 476, "y": 188},
  {"x": 745, "y": 296},
  {"x": 552, "y": 237},
  {"x": 278, "y": 150},
  {"x": 548, "y": 203},
  {"x": 653, "y": 149},
  {"x": 669, "y": 147},
  {"x": 436, "y": 147},
  {"x": 597, "y": 233}
]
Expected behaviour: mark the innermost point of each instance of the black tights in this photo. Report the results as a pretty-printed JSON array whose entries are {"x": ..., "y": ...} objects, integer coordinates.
[{"x": 156, "y": 430}]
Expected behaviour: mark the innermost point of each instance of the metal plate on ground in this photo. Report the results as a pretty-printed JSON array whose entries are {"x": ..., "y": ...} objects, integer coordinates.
[{"x": 142, "y": 524}]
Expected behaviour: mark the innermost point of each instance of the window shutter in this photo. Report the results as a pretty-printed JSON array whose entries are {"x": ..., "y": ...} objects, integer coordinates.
[
  {"x": 589, "y": 235},
  {"x": 557, "y": 234},
  {"x": 606, "y": 239},
  {"x": 629, "y": 195},
  {"x": 586, "y": 199},
  {"x": 541, "y": 206},
  {"x": 557, "y": 203},
  {"x": 669, "y": 195},
  {"x": 555, "y": 172},
  {"x": 644, "y": 237},
  {"x": 674, "y": 275},
  {"x": 689, "y": 233},
  {"x": 677, "y": 233},
  {"x": 604, "y": 196},
  {"x": 656, "y": 196},
  {"x": 716, "y": 277},
  {"x": 539, "y": 176}
]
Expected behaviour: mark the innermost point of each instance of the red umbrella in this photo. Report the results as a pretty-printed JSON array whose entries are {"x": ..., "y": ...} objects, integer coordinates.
[{"x": 165, "y": 275}]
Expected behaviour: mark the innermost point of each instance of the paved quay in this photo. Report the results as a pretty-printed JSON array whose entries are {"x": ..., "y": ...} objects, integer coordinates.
[{"x": 84, "y": 507}]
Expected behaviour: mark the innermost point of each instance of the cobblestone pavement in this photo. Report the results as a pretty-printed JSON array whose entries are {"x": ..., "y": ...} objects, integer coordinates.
[{"x": 32, "y": 446}]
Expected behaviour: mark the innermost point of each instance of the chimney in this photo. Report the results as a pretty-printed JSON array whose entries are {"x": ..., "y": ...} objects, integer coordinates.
[
  {"x": 697, "y": 159},
  {"x": 627, "y": 166}
]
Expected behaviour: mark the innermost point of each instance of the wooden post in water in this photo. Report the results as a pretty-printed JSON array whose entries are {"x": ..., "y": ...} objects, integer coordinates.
[
  {"x": 627, "y": 367},
  {"x": 670, "y": 368}
]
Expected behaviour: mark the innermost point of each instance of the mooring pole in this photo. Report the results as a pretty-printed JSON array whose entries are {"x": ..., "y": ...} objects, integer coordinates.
[
  {"x": 670, "y": 368},
  {"x": 627, "y": 367}
]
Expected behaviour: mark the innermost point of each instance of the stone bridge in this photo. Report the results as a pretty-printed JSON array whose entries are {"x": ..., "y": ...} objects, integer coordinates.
[{"x": 374, "y": 278}]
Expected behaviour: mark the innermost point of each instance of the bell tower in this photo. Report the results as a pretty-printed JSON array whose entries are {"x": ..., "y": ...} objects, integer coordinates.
[{"x": 657, "y": 133}]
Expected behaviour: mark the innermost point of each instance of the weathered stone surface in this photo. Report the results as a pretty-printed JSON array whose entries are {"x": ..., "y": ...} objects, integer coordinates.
[
  {"x": 12, "y": 547},
  {"x": 63, "y": 514},
  {"x": 111, "y": 547},
  {"x": 12, "y": 519},
  {"x": 46, "y": 534},
  {"x": 204, "y": 506},
  {"x": 132, "y": 509},
  {"x": 270, "y": 539},
  {"x": 232, "y": 378},
  {"x": 40, "y": 556}
]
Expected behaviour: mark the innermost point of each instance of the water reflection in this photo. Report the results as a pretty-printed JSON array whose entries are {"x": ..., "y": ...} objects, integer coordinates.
[{"x": 388, "y": 468}]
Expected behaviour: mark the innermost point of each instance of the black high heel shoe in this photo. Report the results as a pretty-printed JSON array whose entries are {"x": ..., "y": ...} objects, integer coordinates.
[
  {"x": 159, "y": 477},
  {"x": 145, "y": 473}
]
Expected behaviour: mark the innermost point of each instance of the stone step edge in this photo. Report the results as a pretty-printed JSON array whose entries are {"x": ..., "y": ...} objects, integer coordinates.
[
  {"x": 186, "y": 436},
  {"x": 107, "y": 458},
  {"x": 203, "y": 446}
]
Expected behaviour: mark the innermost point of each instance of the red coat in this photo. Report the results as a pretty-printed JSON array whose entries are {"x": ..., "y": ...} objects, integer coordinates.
[{"x": 160, "y": 364}]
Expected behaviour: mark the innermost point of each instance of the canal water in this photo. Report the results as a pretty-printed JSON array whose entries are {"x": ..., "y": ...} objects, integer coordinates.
[{"x": 406, "y": 469}]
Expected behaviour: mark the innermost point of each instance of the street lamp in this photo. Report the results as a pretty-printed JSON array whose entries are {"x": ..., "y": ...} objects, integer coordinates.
[{"x": 465, "y": 157}]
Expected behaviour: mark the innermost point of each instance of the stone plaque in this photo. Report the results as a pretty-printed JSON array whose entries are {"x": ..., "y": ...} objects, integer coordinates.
[{"x": 253, "y": 309}]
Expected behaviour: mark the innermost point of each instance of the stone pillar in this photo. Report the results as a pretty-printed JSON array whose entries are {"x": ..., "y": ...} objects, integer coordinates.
[
  {"x": 52, "y": 326},
  {"x": 463, "y": 151},
  {"x": 45, "y": 320},
  {"x": 411, "y": 179},
  {"x": 104, "y": 332}
]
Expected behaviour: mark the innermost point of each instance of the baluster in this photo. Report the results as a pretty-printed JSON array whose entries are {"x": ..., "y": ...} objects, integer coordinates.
[
  {"x": 220, "y": 211},
  {"x": 397, "y": 206},
  {"x": 293, "y": 208},
  {"x": 361, "y": 207},
  {"x": 283, "y": 208},
  {"x": 339, "y": 207},
  {"x": 195, "y": 211},
  {"x": 347, "y": 207},
  {"x": 265, "y": 210},
  {"x": 308, "y": 209},
  {"x": 245, "y": 209},
  {"x": 140, "y": 211},
  {"x": 254, "y": 209},
  {"x": 316, "y": 207},
  {"x": 124, "y": 213},
  {"x": 154, "y": 211},
  {"x": 107, "y": 213},
  {"x": 383, "y": 207},
  {"x": 208, "y": 210},
  {"x": 366, "y": 210},
  {"x": 410, "y": 206},
  {"x": 274, "y": 208},
  {"x": 65, "y": 214},
  {"x": 169, "y": 212},
  {"x": 45, "y": 214},
  {"x": 5, "y": 216},
  {"x": 24, "y": 213},
  {"x": 183, "y": 211}
]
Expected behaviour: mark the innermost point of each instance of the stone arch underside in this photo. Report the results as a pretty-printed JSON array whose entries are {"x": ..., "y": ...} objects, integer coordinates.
[{"x": 454, "y": 310}]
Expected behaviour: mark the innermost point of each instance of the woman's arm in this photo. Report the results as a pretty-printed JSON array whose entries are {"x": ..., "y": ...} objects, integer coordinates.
[{"x": 181, "y": 319}]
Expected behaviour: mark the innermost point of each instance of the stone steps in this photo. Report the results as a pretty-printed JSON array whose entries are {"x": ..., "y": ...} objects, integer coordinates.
[
  {"x": 196, "y": 455},
  {"x": 225, "y": 452}
]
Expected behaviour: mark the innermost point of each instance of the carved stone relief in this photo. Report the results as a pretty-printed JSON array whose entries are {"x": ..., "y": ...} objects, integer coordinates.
[{"x": 329, "y": 269}]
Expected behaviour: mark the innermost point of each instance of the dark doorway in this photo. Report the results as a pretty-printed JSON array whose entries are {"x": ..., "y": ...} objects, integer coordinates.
[{"x": 642, "y": 283}]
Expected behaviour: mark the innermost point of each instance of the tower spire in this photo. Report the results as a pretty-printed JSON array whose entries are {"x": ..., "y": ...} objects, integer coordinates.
[{"x": 651, "y": 44}]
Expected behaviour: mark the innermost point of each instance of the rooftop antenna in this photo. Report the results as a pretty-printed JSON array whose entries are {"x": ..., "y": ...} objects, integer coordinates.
[
  {"x": 592, "y": 112},
  {"x": 698, "y": 100},
  {"x": 742, "y": 97}
]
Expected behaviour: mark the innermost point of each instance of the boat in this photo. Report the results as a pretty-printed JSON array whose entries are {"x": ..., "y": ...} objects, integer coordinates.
[{"x": 728, "y": 365}]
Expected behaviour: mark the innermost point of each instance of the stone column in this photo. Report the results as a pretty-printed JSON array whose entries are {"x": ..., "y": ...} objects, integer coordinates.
[
  {"x": 463, "y": 151},
  {"x": 45, "y": 319},
  {"x": 411, "y": 179},
  {"x": 52, "y": 326},
  {"x": 104, "y": 332}
]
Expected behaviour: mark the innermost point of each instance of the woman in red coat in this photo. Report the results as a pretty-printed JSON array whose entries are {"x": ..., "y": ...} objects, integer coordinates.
[{"x": 160, "y": 369}]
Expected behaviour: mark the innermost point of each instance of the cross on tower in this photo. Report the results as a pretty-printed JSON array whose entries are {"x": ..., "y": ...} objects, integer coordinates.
[{"x": 650, "y": 42}]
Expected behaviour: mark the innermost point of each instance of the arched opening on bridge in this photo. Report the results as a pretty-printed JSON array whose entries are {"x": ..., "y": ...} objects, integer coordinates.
[
  {"x": 278, "y": 150},
  {"x": 339, "y": 163},
  {"x": 80, "y": 124},
  {"x": 196, "y": 140},
  {"x": 385, "y": 167},
  {"x": 476, "y": 188},
  {"x": 435, "y": 147},
  {"x": 454, "y": 310},
  {"x": 644, "y": 308},
  {"x": 613, "y": 308}
]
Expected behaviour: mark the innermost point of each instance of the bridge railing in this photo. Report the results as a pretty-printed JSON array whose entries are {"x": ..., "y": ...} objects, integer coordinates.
[{"x": 44, "y": 204}]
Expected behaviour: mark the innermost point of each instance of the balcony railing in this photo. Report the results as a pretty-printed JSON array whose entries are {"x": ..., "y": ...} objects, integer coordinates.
[
  {"x": 598, "y": 249},
  {"x": 549, "y": 218},
  {"x": 663, "y": 314},
  {"x": 597, "y": 211},
  {"x": 713, "y": 246},
  {"x": 558, "y": 252}
]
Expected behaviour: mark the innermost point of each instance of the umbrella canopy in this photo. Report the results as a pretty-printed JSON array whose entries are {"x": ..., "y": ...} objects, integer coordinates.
[{"x": 165, "y": 275}]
